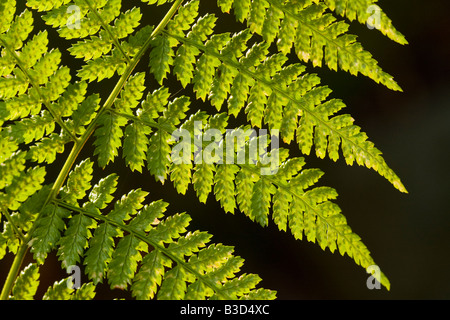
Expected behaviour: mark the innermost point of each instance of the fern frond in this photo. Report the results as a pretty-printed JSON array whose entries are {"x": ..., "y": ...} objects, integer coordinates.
[
  {"x": 35, "y": 74},
  {"x": 61, "y": 291},
  {"x": 85, "y": 292},
  {"x": 101, "y": 245},
  {"x": 309, "y": 212},
  {"x": 47, "y": 149},
  {"x": 102, "y": 26},
  {"x": 158, "y": 256},
  {"x": 314, "y": 34},
  {"x": 288, "y": 194},
  {"x": 84, "y": 113},
  {"x": 292, "y": 102},
  {"x": 129, "y": 243}
]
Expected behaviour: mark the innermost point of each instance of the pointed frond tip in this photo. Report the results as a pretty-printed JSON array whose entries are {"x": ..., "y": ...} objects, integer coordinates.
[{"x": 369, "y": 13}]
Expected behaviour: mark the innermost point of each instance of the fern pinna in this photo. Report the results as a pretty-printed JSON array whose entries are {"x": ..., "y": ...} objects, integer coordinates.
[{"x": 131, "y": 241}]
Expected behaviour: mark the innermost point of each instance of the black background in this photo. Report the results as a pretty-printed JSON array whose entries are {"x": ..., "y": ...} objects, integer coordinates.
[{"x": 406, "y": 233}]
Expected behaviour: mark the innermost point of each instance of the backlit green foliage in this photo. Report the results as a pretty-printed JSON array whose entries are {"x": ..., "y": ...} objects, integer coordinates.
[{"x": 135, "y": 243}]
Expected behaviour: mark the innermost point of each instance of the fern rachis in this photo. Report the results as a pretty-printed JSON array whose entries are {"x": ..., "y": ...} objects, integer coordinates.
[{"x": 139, "y": 245}]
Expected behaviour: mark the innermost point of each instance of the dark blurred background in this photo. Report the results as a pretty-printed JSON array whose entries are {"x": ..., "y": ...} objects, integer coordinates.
[{"x": 406, "y": 233}]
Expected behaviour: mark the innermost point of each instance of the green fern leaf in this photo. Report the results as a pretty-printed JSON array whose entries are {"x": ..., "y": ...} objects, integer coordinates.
[
  {"x": 150, "y": 275},
  {"x": 101, "y": 194},
  {"x": 198, "y": 291},
  {"x": 78, "y": 182},
  {"x": 46, "y": 150},
  {"x": 75, "y": 240},
  {"x": 185, "y": 57},
  {"x": 260, "y": 201},
  {"x": 18, "y": 31},
  {"x": 202, "y": 180},
  {"x": 22, "y": 187},
  {"x": 224, "y": 187},
  {"x": 174, "y": 285},
  {"x": 241, "y": 286},
  {"x": 158, "y": 155},
  {"x": 161, "y": 58},
  {"x": 189, "y": 244},
  {"x": 7, "y": 10},
  {"x": 85, "y": 292},
  {"x": 185, "y": 16},
  {"x": 101, "y": 245},
  {"x": 48, "y": 230},
  {"x": 170, "y": 228},
  {"x": 315, "y": 35},
  {"x": 135, "y": 145},
  {"x": 124, "y": 261},
  {"x": 71, "y": 98},
  {"x": 45, "y": 5},
  {"x": 316, "y": 121},
  {"x": 27, "y": 283},
  {"x": 102, "y": 68},
  {"x": 98, "y": 255},
  {"x": 108, "y": 138},
  {"x": 59, "y": 291},
  {"x": 134, "y": 245},
  {"x": 11, "y": 168},
  {"x": 84, "y": 113}
]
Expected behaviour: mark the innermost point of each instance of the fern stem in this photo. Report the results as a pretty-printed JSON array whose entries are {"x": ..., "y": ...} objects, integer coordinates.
[
  {"x": 79, "y": 144},
  {"x": 13, "y": 271},
  {"x": 143, "y": 237}
]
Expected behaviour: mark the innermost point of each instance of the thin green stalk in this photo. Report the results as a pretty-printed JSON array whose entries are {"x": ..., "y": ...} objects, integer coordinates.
[
  {"x": 13, "y": 271},
  {"x": 79, "y": 144}
]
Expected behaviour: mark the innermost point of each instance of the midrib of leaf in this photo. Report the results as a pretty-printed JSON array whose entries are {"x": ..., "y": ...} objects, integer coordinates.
[
  {"x": 282, "y": 92},
  {"x": 79, "y": 144},
  {"x": 148, "y": 123},
  {"x": 143, "y": 237}
]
